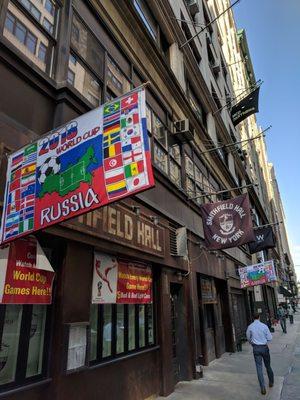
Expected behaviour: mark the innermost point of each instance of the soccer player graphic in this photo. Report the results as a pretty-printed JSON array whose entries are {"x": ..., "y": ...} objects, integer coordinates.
[{"x": 104, "y": 275}]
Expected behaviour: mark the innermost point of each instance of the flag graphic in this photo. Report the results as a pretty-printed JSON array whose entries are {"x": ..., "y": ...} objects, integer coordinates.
[
  {"x": 25, "y": 180},
  {"x": 17, "y": 160},
  {"x": 112, "y": 150},
  {"x": 134, "y": 169},
  {"x": 28, "y": 169},
  {"x": 100, "y": 157},
  {"x": 113, "y": 162},
  {"x": 245, "y": 107}
]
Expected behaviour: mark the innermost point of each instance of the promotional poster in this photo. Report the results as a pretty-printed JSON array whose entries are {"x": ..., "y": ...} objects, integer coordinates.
[
  {"x": 26, "y": 276},
  {"x": 121, "y": 282},
  {"x": 98, "y": 158}
]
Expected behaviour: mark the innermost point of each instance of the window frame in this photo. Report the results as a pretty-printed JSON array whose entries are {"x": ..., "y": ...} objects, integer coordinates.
[
  {"x": 114, "y": 355},
  {"x": 23, "y": 346}
]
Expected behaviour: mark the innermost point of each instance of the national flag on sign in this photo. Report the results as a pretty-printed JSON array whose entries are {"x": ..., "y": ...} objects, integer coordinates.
[
  {"x": 31, "y": 158},
  {"x": 136, "y": 182},
  {"x": 27, "y": 201},
  {"x": 128, "y": 101},
  {"x": 11, "y": 231},
  {"x": 113, "y": 162},
  {"x": 129, "y": 119},
  {"x": 111, "y": 109},
  {"x": 28, "y": 190},
  {"x": 111, "y": 119},
  {"x": 14, "y": 196},
  {"x": 128, "y": 133},
  {"x": 26, "y": 213},
  {"x": 112, "y": 128},
  {"x": 134, "y": 169},
  {"x": 133, "y": 156},
  {"x": 15, "y": 184},
  {"x": 32, "y": 148},
  {"x": 12, "y": 219},
  {"x": 28, "y": 169},
  {"x": 111, "y": 138},
  {"x": 25, "y": 180},
  {"x": 114, "y": 176},
  {"x": 116, "y": 187},
  {"x": 112, "y": 150},
  {"x": 26, "y": 225},
  {"x": 16, "y": 174},
  {"x": 17, "y": 161}
]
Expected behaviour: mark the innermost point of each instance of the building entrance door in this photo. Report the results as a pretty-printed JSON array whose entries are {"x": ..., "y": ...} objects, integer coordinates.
[{"x": 179, "y": 336}]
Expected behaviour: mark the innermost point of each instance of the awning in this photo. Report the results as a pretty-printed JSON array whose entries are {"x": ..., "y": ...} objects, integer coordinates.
[{"x": 285, "y": 292}]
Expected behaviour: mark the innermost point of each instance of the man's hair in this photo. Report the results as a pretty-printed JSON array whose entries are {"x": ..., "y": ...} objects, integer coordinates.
[{"x": 256, "y": 315}]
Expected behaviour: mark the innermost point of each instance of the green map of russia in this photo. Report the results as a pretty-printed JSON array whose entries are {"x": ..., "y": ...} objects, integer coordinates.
[{"x": 70, "y": 179}]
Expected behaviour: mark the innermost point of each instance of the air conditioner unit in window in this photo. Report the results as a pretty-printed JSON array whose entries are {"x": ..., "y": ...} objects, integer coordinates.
[
  {"x": 216, "y": 69},
  {"x": 183, "y": 131},
  {"x": 193, "y": 6}
]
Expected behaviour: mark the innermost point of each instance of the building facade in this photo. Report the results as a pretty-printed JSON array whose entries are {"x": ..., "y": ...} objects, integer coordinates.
[{"x": 60, "y": 59}]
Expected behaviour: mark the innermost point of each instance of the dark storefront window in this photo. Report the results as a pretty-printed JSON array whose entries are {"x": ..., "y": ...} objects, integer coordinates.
[
  {"x": 119, "y": 329},
  {"x": 31, "y": 29},
  {"x": 23, "y": 354}
]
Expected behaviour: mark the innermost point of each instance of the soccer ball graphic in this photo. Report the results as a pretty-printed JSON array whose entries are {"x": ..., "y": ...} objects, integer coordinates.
[{"x": 50, "y": 166}]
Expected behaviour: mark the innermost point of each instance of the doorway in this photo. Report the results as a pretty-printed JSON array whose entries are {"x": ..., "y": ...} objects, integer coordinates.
[{"x": 179, "y": 335}]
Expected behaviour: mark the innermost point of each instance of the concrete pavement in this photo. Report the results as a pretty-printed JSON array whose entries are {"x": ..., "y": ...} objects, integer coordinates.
[{"x": 233, "y": 376}]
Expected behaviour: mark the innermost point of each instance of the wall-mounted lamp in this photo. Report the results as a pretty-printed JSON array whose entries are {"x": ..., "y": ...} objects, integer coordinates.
[
  {"x": 136, "y": 210},
  {"x": 178, "y": 275},
  {"x": 154, "y": 219}
]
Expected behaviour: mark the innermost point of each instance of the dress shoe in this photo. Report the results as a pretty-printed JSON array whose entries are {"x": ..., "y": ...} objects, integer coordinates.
[
  {"x": 263, "y": 391},
  {"x": 271, "y": 384}
]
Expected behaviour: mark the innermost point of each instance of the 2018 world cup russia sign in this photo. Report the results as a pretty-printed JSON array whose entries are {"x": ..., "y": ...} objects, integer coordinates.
[
  {"x": 98, "y": 158},
  {"x": 227, "y": 223}
]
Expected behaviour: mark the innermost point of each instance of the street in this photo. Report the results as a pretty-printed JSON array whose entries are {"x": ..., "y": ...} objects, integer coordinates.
[{"x": 233, "y": 376}]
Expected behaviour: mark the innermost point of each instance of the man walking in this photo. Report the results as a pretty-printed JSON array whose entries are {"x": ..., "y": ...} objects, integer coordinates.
[
  {"x": 258, "y": 335},
  {"x": 282, "y": 318},
  {"x": 290, "y": 313}
]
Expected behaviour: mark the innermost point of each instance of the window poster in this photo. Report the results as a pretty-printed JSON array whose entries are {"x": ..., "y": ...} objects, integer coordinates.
[
  {"x": 121, "y": 282},
  {"x": 10, "y": 343}
]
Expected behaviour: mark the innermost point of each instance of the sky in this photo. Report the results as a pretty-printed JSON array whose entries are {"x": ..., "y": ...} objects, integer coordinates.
[{"x": 273, "y": 33}]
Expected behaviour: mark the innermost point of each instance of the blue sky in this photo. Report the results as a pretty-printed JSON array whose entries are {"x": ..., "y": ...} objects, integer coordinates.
[{"x": 273, "y": 32}]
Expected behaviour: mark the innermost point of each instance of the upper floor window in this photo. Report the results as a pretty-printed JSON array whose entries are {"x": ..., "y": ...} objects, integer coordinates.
[
  {"x": 196, "y": 105},
  {"x": 147, "y": 17},
  {"x": 116, "y": 80},
  {"x": 166, "y": 152},
  {"x": 32, "y": 37}
]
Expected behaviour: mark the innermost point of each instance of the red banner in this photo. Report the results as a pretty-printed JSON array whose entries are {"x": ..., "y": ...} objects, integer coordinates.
[{"x": 24, "y": 281}]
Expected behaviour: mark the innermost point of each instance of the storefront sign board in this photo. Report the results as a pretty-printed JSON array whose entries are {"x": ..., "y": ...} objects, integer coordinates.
[{"x": 94, "y": 160}]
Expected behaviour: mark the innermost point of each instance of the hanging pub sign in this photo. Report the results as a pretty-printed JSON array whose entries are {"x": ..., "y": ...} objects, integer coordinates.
[
  {"x": 26, "y": 276},
  {"x": 257, "y": 274},
  {"x": 245, "y": 108},
  {"x": 98, "y": 158},
  {"x": 227, "y": 223},
  {"x": 121, "y": 282},
  {"x": 264, "y": 239}
]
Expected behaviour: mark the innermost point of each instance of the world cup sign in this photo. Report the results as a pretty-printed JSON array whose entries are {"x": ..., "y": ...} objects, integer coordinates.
[
  {"x": 257, "y": 274},
  {"x": 100, "y": 157},
  {"x": 227, "y": 223}
]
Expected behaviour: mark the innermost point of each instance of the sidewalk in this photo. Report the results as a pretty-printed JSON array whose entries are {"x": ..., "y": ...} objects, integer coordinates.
[{"x": 233, "y": 376}]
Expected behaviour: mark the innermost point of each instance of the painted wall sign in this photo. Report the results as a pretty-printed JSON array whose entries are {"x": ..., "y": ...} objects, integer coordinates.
[
  {"x": 26, "y": 276},
  {"x": 120, "y": 225},
  {"x": 257, "y": 274},
  {"x": 117, "y": 281},
  {"x": 100, "y": 157}
]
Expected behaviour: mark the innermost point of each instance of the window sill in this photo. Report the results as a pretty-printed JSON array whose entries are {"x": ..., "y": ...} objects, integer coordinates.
[
  {"x": 24, "y": 387},
  {"x": 123, "y": 358}
]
